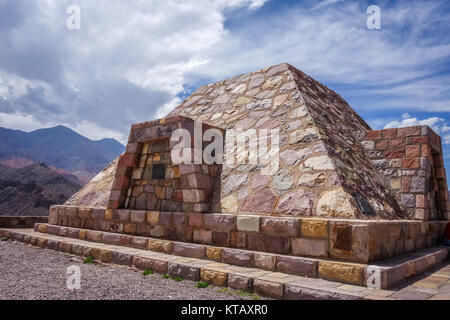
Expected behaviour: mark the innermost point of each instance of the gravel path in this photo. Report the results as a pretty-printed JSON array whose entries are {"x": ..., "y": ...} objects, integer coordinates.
[{"x": 28, "y": 272}]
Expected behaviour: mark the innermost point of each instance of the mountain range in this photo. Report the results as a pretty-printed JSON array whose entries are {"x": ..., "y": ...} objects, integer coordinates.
[
  {"x": 31, "y": 190},
  {"x": 47, "y": 166},
  {"x": 59, "y": 148}
]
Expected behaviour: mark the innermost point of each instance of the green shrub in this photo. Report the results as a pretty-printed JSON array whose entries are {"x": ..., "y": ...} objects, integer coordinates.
[
  {"x": 89, "y": 259},
  {"x": 147, "y": 272},
  {"x": 201, "y": 284},
  {"x": 166, "y": 276}
]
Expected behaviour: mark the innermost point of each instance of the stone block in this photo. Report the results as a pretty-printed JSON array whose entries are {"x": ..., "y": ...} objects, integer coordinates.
[
  {"x": 122, "y": 258},
  {"x": 280, "y": 226},
  {"x": 256, "y": 241},
  {"x": 189, "y": 250},
  {"x": 139, "y": 242},
  {"x": 265, "y": 261},
  {"x": 180, "y": 219},
  {"x": 214, "y": 253},
  {"x": 160, "y": 246},
  {"x": 138, "y": 216},
  {"x": 195, "y": 219},
  {"x": 314, "y": 228},
  {"x": 184, "y": 271},
  {"x": 221, "y": 238},
  {"x": 342, "y": 272},
  {"x": 220, "y": 222},
  {"x": 151, "y": 264},
  {"x": 309, "y": 247},
  {"x": 237, "y": 257},
  {"x": 268, "y": 288},
  {"x": 98, "y": 213},
  {"x": 65, "y": 247},
  {"x": 298, "y": 266},
  {"x": 121, "y": 215},
  {"x": 248, "y": 223},
  {"x": 110, "y": 238},
  {"x": 240, "y": 282},
  {"x": 202, "y": 236},
  {"x": 214, "y": 277},
  {"x": 153, "y": 217},
  {"x": 278, "y": 244}
]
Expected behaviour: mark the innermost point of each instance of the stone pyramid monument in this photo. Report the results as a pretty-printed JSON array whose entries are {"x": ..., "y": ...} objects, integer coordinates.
[{"x": 343, "y": 196}]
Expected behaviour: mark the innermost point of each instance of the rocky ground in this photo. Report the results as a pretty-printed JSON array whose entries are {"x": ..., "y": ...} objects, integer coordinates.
[{"x": 33, "y": 273}]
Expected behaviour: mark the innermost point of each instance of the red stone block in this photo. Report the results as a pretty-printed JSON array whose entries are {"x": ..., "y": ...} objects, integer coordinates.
[
  {"x": 121, "y": 183},
  {"x": 238, "y": 239},
  {"x": 127, "y": 160},
  {"x": 373, "y": 135},
  {"x": 412, "y": 151},
  {"x": 394, "y": 154},
  {"x": 417, "y": 140},
  {"x": 406, "y": 184},
  {"x": 395, "y": 143},
  {"x": 195, "y": 219},
  {"x": 408, "y": 132},
  {"x": 381, "y": 145},
  {"x": 410, "y": 163},
  {"x": 389, "y": 133},
  {"x": 221, "y": 238},
  {"x": 421, "y": 201},
  {"x": 426, "y": 151},
  {"x": 177, "y": 195},
  {"x": 256, "y": 241},
  {"x": 280, "y": 245}
]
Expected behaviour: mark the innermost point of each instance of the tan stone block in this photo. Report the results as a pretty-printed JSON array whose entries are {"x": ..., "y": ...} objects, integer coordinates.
[
  {"x": 42, "y": 242},
  {"x": 342, "y": 272},
  {"x": 82, "y": 234},
  {"x": 160, "y": 246},
  {"x": 314, "y": 228},
  {"x": 214, "y": 253},
  {"x": 396, "y": 183},
  {"x": 109, "y": 215},
  {"x": 160, "y": 192},
  {"x": 215, "y": 277},
  {"x": 42, "y": 228},
  {"x": 230, "y": 204},
  {"x": 248, "y": 223},
  {"x": 153, "y": 217}
]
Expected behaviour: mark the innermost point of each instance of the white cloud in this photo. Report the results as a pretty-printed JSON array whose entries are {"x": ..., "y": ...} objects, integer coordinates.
[
  {"x": 325, "y": 3},
  {"x": 435, "y": 123}
]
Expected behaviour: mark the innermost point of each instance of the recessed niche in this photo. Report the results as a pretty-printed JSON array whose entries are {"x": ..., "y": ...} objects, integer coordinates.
[{"x": 158, "y": 171}]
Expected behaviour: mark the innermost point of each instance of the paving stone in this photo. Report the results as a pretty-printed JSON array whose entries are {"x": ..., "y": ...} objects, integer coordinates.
[
  {"x": 214, "y": 277},
  {"x": 268, "y": 288},
  {"x": 184, "y": 271},
  {"x": 240, "y": 282},
  {"x": 236, "y": 257},
  {"x": 189, "y": 250},
  {"x": 298, "y": 266}
]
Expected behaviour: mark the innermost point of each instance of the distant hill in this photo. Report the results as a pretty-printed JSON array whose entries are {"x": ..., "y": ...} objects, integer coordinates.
[
  {"x": 31, "y": 190},
  {"x": 58, "y": 147}
]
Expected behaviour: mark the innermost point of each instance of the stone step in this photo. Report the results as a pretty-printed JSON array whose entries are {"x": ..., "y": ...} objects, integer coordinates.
[
  {"x": 392, "y": 270},
  {"x": 265, "y": 283}
]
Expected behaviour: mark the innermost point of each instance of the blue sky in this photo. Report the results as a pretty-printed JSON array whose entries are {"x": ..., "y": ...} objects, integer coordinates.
[{"x": 135, "y": 60}]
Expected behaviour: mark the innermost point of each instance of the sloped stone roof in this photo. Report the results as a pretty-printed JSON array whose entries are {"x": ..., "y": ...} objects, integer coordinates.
[
  {"x": 96, "y": 193},
  {"x": 324, "y": 170}
]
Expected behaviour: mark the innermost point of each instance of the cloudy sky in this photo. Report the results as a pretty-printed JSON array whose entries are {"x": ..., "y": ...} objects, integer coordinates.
[{"x": 134, "y": 60}]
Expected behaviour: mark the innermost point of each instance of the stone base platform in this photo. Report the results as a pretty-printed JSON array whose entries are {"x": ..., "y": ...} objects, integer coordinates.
[
  {"x": 360, "y": 241},
  {"x": 263, "y": 282},
  {"x": 392, "y": 270}
]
